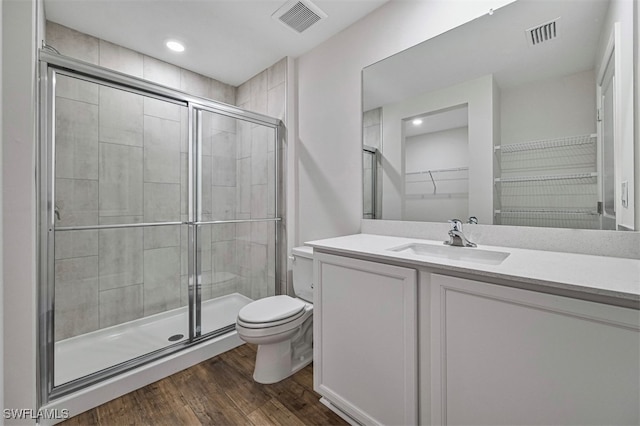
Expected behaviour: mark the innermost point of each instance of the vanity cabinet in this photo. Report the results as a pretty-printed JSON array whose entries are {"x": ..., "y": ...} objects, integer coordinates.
[
  {"x": 503, "y": 355},
  {"x": 365, "y": 339}
]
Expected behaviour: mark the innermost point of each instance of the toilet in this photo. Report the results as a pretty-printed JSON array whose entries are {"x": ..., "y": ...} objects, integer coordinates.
[{"x": 282, "y": 326}]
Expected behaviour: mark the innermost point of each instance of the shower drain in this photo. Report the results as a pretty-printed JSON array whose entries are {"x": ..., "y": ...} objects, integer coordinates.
[{"x": 176, "y": 337}]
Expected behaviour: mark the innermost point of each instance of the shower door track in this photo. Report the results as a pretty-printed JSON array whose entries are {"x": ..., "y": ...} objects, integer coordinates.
[{"x": 52, "y": 64}]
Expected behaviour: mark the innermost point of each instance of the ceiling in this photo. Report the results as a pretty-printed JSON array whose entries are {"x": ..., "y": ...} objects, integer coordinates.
[
  {"x": 451, "y": 118},
  {"x": 228, "y": 40},
  {"x": 492, "y": 44}
]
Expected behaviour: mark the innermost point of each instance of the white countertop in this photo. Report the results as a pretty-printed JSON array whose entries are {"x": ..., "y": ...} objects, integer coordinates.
[{"x": 598, "y": 275}]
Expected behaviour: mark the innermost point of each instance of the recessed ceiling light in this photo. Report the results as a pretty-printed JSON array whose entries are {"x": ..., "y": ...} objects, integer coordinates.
[
  {"x": 417, "y": 122},
  {"x": 175, "y": 46}
]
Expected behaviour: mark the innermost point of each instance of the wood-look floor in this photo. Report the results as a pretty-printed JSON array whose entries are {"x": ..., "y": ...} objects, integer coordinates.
[{"x": 219, "y": 391}]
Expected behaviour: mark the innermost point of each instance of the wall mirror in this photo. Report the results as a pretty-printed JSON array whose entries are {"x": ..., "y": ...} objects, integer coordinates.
[{"x": 523, "y": 116}]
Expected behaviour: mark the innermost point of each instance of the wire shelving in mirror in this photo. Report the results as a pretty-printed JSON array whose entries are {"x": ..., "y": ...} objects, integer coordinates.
[
  {"x": 437, "y": 183},
  {"x": 551, "y": 182}
]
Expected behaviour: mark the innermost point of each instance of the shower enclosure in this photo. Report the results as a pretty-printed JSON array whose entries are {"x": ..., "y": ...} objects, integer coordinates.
[{"x": 159, "y": 221}]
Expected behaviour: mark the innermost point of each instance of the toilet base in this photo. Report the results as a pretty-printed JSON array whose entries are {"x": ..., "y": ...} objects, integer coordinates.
[{"x": 274, "y": 362}]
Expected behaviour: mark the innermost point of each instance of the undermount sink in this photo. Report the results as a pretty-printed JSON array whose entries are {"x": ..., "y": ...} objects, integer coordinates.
[{"x": 466, "y": 254}]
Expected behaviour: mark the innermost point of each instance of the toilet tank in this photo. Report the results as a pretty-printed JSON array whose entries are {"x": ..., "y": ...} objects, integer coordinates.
[{"x": 303, "y": 272}]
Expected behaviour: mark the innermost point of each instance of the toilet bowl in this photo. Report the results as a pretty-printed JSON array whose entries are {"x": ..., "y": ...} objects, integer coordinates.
[{"x": 282, "y": 326}]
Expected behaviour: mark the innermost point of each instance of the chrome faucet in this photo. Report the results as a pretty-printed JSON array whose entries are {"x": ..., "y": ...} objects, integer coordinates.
[{"x": 456, "y": 237}]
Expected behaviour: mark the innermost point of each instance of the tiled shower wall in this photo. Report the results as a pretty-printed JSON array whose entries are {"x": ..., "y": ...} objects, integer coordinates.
[{"x": 108, "y": 277}]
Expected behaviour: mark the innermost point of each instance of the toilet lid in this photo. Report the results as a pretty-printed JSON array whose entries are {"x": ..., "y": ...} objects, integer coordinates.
[{"x": 270, "y": 309}]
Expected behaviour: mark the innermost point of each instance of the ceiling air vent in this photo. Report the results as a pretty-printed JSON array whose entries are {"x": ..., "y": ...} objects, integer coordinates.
[
  {"x": 543, "y": 33},
  {"x": 299, "y": 15}
]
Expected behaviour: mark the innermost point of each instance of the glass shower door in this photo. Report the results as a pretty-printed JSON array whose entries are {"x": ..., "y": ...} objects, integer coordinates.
[
  {"x": 158, "y": 222},
  {"x": 119, "y": 186},
  {"x": 236, "y": 217}
]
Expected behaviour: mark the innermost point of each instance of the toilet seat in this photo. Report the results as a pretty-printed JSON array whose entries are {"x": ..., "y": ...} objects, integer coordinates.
[{"x": 271, "y": 312}]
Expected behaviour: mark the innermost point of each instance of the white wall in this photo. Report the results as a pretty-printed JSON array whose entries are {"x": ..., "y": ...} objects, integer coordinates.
[
  {"x": 432, "y": 151},
  {"x": 329, "y": 154},
  {"x": 547, "y": 109},
  {"x": 478, "y": 95},
  {"x": 437, "y": 150},
  {"x": 19, "y": 202}
]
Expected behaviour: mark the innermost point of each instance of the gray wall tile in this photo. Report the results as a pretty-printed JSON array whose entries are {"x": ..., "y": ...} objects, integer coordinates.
[
  {"x": 161, "y": 202},
  {"x": 184, "y": 290},
  {"x": 76, "y": 139},
  {"x": 121, "y": 252},
  {"x": 260, "y": 232},
  {"x": 224, "y": 171},
  {"x": 193, "y": 83},
  {"x": 223, "y": 149},
  {"x": 243, "y": 141},
  {"x": 162, "y": 280},
  {"x": 224, "y": 287},
  {"x": 224, "y": 206},
  {"x": 223, "y": 232},
  {"x": 76, "y": 89},
  {"x": 259, "y": 201},
  {"x": 71, "y": 244},
  {"x": 222, "y": 92},
  {"x": 121, "y": 59},
  {"x": 72, "y": 43},
  {"x": 120, "y": 305},
  {"x": 120, "y": 180},
  {"x": 259, "y": 93},
  {"x": 259, "y": 279},
  {"x": 77, "y": 201},
  {"x": 276, "y": 102},
  {"x": 243, "y": 180},
  {"x": 206, "y": 201},
  {"x": 184, "y": 130},
  {"x": 243, "y": 93},
  {"x": 76, "y": 296},
  {"x": 243, "y": 231},
  {"x": 161, "y": 236},
  {"x": 163, "y": 109},
  {"x": 271, "y": 185},
  {"x": 184, "y": 254},
  {"x": 277, "y": 73},
  {"x": 120, "y": 117},
  {"x": 259, "y": 146},
  {"x": 204, "y": 243},
  {"x": 205, "y": 289},
  {"x": 223, "y": 123},
  {"x": 223, "y": 260},
  {"x": 184, "y": 184},
  {"x": 161, "y": 72},
  {"x": 161, "y": 150}
]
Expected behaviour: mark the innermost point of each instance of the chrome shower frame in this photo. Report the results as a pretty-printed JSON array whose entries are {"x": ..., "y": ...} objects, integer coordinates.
[{"x": 52, "y": 64}]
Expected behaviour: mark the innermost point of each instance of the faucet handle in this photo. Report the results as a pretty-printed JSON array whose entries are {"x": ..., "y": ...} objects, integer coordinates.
[
  {"x": 473, "y": 220},
  {"x": 456, "y": 224}
]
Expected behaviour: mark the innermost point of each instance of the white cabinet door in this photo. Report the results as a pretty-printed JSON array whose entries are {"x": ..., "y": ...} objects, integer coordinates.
[
  {"x": 502, "y": 355},
  {"x": 365, "y": 339}
]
